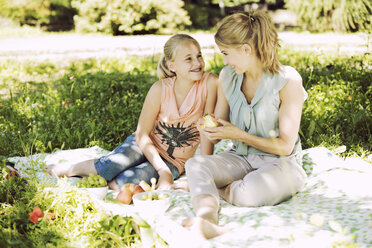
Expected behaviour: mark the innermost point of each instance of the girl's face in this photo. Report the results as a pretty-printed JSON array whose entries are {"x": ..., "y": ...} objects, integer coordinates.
[
  {"x": 188, "y": 62},
  {"x": 237, "y": 58}
]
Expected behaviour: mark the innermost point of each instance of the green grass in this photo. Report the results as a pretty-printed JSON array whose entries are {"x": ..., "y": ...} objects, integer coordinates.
[
  {"x": 45, "y": 106},
  {"x": 102, "y": 103},
  {"x": 73, "y": 104}
]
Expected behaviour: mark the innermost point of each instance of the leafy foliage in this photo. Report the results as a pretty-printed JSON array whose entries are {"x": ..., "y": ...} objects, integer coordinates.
[
  {"x": 51, "y": 14},
  {"x": 334, "y": 15},
  {"x": 66, "y": 217},
  {"x": 130, "y": 16}
]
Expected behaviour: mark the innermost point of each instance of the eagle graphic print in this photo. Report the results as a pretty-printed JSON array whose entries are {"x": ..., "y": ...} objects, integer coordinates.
[{"x": 176, "y": 135}]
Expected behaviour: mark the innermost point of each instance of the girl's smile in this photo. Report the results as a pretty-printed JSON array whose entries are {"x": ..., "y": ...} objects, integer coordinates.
[{"x": 188, "y": 63}]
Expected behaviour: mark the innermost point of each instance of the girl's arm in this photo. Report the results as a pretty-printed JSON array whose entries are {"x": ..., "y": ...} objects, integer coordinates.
[
  {"x": 206, "y": 146},
  {"x": 291, "y": 97},
  {"x": 150, "y": 110}
]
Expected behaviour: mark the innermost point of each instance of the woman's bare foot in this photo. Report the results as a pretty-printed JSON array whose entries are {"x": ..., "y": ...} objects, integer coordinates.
[
  {"x": 225, "y": 193},
  {"x": 203, "y": 227}
]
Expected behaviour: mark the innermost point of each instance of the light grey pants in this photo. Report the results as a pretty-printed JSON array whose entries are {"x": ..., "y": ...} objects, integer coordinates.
[{"x": 256, "y": 180}]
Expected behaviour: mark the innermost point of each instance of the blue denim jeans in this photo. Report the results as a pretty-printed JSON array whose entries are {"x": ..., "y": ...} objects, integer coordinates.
[{"x": 127, "y": 164}]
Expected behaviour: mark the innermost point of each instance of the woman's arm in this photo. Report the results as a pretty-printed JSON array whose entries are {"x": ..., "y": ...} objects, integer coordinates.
[
  {"x": 291, "y": 97},
  {"x": 150, "y": 110},
  {"x": 206, "y": 146},
  {"x": 222, "y": 110},
  {"x": 221, "y": 113},
  {"x": 290, "y": 110}
]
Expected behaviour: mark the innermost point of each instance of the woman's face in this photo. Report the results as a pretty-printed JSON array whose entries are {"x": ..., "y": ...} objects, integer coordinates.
[
  {"x": 188, "y": 62},
  {"x": 237, "y": 58}
]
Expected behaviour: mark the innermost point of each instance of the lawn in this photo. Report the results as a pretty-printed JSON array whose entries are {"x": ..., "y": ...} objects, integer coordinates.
[{"x": 47, "y": 106}]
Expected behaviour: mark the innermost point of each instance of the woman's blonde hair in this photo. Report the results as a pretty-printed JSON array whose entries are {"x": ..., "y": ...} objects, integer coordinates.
[
  {"x": 255, "y": 29},
  {"x": 169, "y": 53}
]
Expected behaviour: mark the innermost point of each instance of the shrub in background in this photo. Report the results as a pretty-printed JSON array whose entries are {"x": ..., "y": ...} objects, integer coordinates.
[
  {"x": 332, "y": 15},
  {"x": 130, "y": 16},
  {"x": 51, "y": 15},
  {"x": 203, "y": 16}
]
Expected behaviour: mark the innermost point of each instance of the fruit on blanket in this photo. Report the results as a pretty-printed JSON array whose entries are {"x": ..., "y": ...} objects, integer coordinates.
[
  {"x": 11, "y": 174},
  {"x": 138, "y": 189},
  {"x": 124, "y": 196},
  {"x": 209, "y": 121},
  {"x": 93, "y": 181},
  {"x": 146, "y": 187},
  {"x": 127, "y": 191},
  {"x": 130, "y": 186},
  {"x": 154, "y": 197}
]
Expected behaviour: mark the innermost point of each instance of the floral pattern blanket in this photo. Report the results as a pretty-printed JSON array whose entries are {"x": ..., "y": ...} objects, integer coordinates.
[{"x": 333, "y": 210}]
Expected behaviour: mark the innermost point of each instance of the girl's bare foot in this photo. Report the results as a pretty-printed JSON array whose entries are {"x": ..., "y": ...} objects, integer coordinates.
[
  {"x": 82, "y": 169},
  {"x": 203, "y": 227},
  {"x": 58, "y": 170}
]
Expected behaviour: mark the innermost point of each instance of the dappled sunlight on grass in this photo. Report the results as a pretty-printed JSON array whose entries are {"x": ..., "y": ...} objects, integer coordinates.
[{"x": 63, "y": 104}]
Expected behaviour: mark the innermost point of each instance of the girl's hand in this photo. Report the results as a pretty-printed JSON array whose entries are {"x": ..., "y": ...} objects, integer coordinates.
[
  {"x": 165, "y": 180},
  {"x": 225, "y": 130}
]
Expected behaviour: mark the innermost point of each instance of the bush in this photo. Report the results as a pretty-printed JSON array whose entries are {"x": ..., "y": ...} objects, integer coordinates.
[
  {"x": 51, "y": 15},
  {"x": 334, "y": 15},
  {"x": 130, "y": 16},
  {"x": 203, "y": 17}
]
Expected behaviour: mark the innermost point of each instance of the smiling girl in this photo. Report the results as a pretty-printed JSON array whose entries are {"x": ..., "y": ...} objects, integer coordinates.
[{"x": 166, "y": 134}]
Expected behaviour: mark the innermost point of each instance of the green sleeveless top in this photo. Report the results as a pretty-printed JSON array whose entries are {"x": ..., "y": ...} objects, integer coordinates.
[{"x": 261, "y": 116}]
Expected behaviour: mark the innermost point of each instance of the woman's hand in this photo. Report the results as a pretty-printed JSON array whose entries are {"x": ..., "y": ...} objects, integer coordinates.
[
  {"x": 165, "y": 180},
  {"x": 225, "y": 130}
]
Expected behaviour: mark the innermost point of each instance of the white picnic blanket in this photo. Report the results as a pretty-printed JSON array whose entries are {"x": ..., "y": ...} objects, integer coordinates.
[{"x": 334, "y": 209}]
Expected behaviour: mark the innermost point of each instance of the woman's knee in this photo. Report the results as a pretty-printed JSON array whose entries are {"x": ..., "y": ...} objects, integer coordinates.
[
  {"x": 244, "y": 194},
  {"x": 255, "y": 195},
  {"x": 193, "y": 163}
]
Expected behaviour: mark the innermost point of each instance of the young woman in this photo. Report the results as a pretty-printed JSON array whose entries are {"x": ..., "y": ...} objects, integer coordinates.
[
  {"x": 259, "y": 107},
  {"x": 166, "y": 134}
]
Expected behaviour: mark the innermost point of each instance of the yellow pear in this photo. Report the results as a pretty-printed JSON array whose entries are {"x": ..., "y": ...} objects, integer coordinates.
[{"x": 209, "y": 121}]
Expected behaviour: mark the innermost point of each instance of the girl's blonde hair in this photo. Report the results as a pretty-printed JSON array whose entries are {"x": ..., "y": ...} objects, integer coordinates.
[
  {"x": 255, "y": 29},
  {"x": 169, "y": 53}
]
